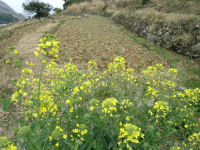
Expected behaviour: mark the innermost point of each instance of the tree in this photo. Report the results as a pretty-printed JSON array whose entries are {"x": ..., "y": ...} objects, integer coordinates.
[
  {"x": 69, "y": 2},
  {"x": 66, "y": 3},
  {"x": 145, "y": 2},
  {"x": 40, "y": 9},
  {"x": 57, "y": 10}
]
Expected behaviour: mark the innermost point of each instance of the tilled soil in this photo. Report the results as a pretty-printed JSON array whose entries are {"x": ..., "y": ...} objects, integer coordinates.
[{"x": 96, "y": 38}]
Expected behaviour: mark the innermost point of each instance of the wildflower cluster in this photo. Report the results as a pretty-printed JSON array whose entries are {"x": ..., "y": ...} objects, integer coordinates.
[
  {"x": 113, "y": 109},
  {"x": 194, "y": 139},
  {"x": 79, "y": 132},
  {"x": 161, "y": 109},
  {"x": 57, "y": 135},
  {"x": 13, "y": 57},
  {"x": 48, "y": 47},
  {"x": 109, "y": 106},
  {"x": 6, "y": 145},
  {"x": 158, "y": 80},
  {"x": 130, "y": 133}
]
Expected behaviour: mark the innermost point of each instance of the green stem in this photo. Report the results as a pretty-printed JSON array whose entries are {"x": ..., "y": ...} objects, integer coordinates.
[{"x": 42, "y": 69}]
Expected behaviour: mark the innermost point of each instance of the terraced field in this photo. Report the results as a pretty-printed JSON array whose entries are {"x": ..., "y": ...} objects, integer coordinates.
[{"x": 82, "y": 39}]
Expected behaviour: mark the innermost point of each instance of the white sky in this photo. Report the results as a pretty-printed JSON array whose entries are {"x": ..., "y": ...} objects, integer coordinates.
[{"x": 17, "y": 4}]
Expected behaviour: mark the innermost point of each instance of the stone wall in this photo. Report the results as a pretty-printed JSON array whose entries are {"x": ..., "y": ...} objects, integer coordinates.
[{"x": 183, "y": 38}]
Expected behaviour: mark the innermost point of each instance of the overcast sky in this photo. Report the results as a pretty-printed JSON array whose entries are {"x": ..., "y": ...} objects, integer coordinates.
[{"x": 17, "y": 4}]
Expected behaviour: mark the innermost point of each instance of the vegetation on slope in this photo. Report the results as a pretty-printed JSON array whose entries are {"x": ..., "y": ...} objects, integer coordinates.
[
  {"x": 96, "y": 38},
  {"x": 7, "y": 18},
  {"x": 169, "y": 9},
  {"x": 4, "y": 8},
  {"x": 68, "y": 108}
]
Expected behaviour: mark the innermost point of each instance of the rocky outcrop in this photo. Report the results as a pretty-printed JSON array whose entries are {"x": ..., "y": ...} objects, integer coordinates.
[{"x": 182, "y": 38}]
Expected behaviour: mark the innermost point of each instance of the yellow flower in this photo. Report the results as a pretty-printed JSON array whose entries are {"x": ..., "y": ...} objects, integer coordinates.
[
  {"x": 84, "y": 132},
  {"x": 150, "y": 112},
  {"x": 7, "y": 61},
  {"x": 57, "y": 144},
  {"x": 91, "y": 108},
  {"x": 12, "y": 147},
  {"x": 130, "y": 133},
  {"x": 26, "y": 63},
  {"x": 44, "y": 61},
  {"x": 75, "y": 130},
  {"x": 36, "y": 54},
  {"x": 186, "y": 126},
  {"x": 35, "y": 115},
  {"x": 16, "y": 52},
  {"x": 71, "y": 109},
  {"x": 127, "y": 118},
  {"x": 64, "y": 136},
  {"x": 109, "y": 105},
  {"x": 48, "y": 44}
]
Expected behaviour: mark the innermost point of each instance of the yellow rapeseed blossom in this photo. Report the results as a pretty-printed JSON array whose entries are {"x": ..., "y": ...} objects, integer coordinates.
[
  {"x": 109, "y": 105},
  {"x": 130, "y": 133},
  {"x": 16, "y": 52},
  {"x": 161, "y": 108},
  {"x": 80, "y": 131},
  {"x": 36, "y": 54},
  {"x": 7, "y": 61}
]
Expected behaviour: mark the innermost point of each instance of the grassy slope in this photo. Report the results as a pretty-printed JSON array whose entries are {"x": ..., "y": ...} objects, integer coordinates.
[{"x": 85, "y": 38}]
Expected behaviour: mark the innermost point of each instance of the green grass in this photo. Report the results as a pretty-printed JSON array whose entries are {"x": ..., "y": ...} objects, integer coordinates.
[
  {"x": 193, "y": 82},
  {"x": 144, "y": 42}
]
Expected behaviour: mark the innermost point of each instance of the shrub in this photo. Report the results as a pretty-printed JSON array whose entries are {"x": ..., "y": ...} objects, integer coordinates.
[
  {"x": 13, "y": 57},
  {"x": 57, "y": 10},
  {"x": 145, "y": 1},
  {"x": 68, "y": 108}
]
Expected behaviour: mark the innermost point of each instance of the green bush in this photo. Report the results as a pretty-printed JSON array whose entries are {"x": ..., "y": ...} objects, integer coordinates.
[
  {"x": 68, "y": 108},
  {"x": 145, "y": 1},
  {"x": 57, "y": 10}
]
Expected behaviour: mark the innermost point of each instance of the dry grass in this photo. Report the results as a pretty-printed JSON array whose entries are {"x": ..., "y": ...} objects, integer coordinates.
[
  {"x": 179, "y": 10},
  {"x": 153, "y": 15},
  {"x": 92, "y": 6}
]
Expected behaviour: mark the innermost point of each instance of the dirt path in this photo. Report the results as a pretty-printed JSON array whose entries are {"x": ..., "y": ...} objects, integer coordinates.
[
  {"x": 25, "y": 40},
  {"x": 96, "y": 38}
]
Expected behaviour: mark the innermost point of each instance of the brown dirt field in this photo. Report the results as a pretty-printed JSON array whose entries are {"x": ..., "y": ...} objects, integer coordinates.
[{"x": 96, "y": 38}]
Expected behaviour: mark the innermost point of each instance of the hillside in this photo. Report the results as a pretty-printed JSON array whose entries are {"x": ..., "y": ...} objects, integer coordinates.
[
  {"x": 173, "y": 25},
  {"x": 85, "y": 81},
  {"x": 7, "y": 12}
]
